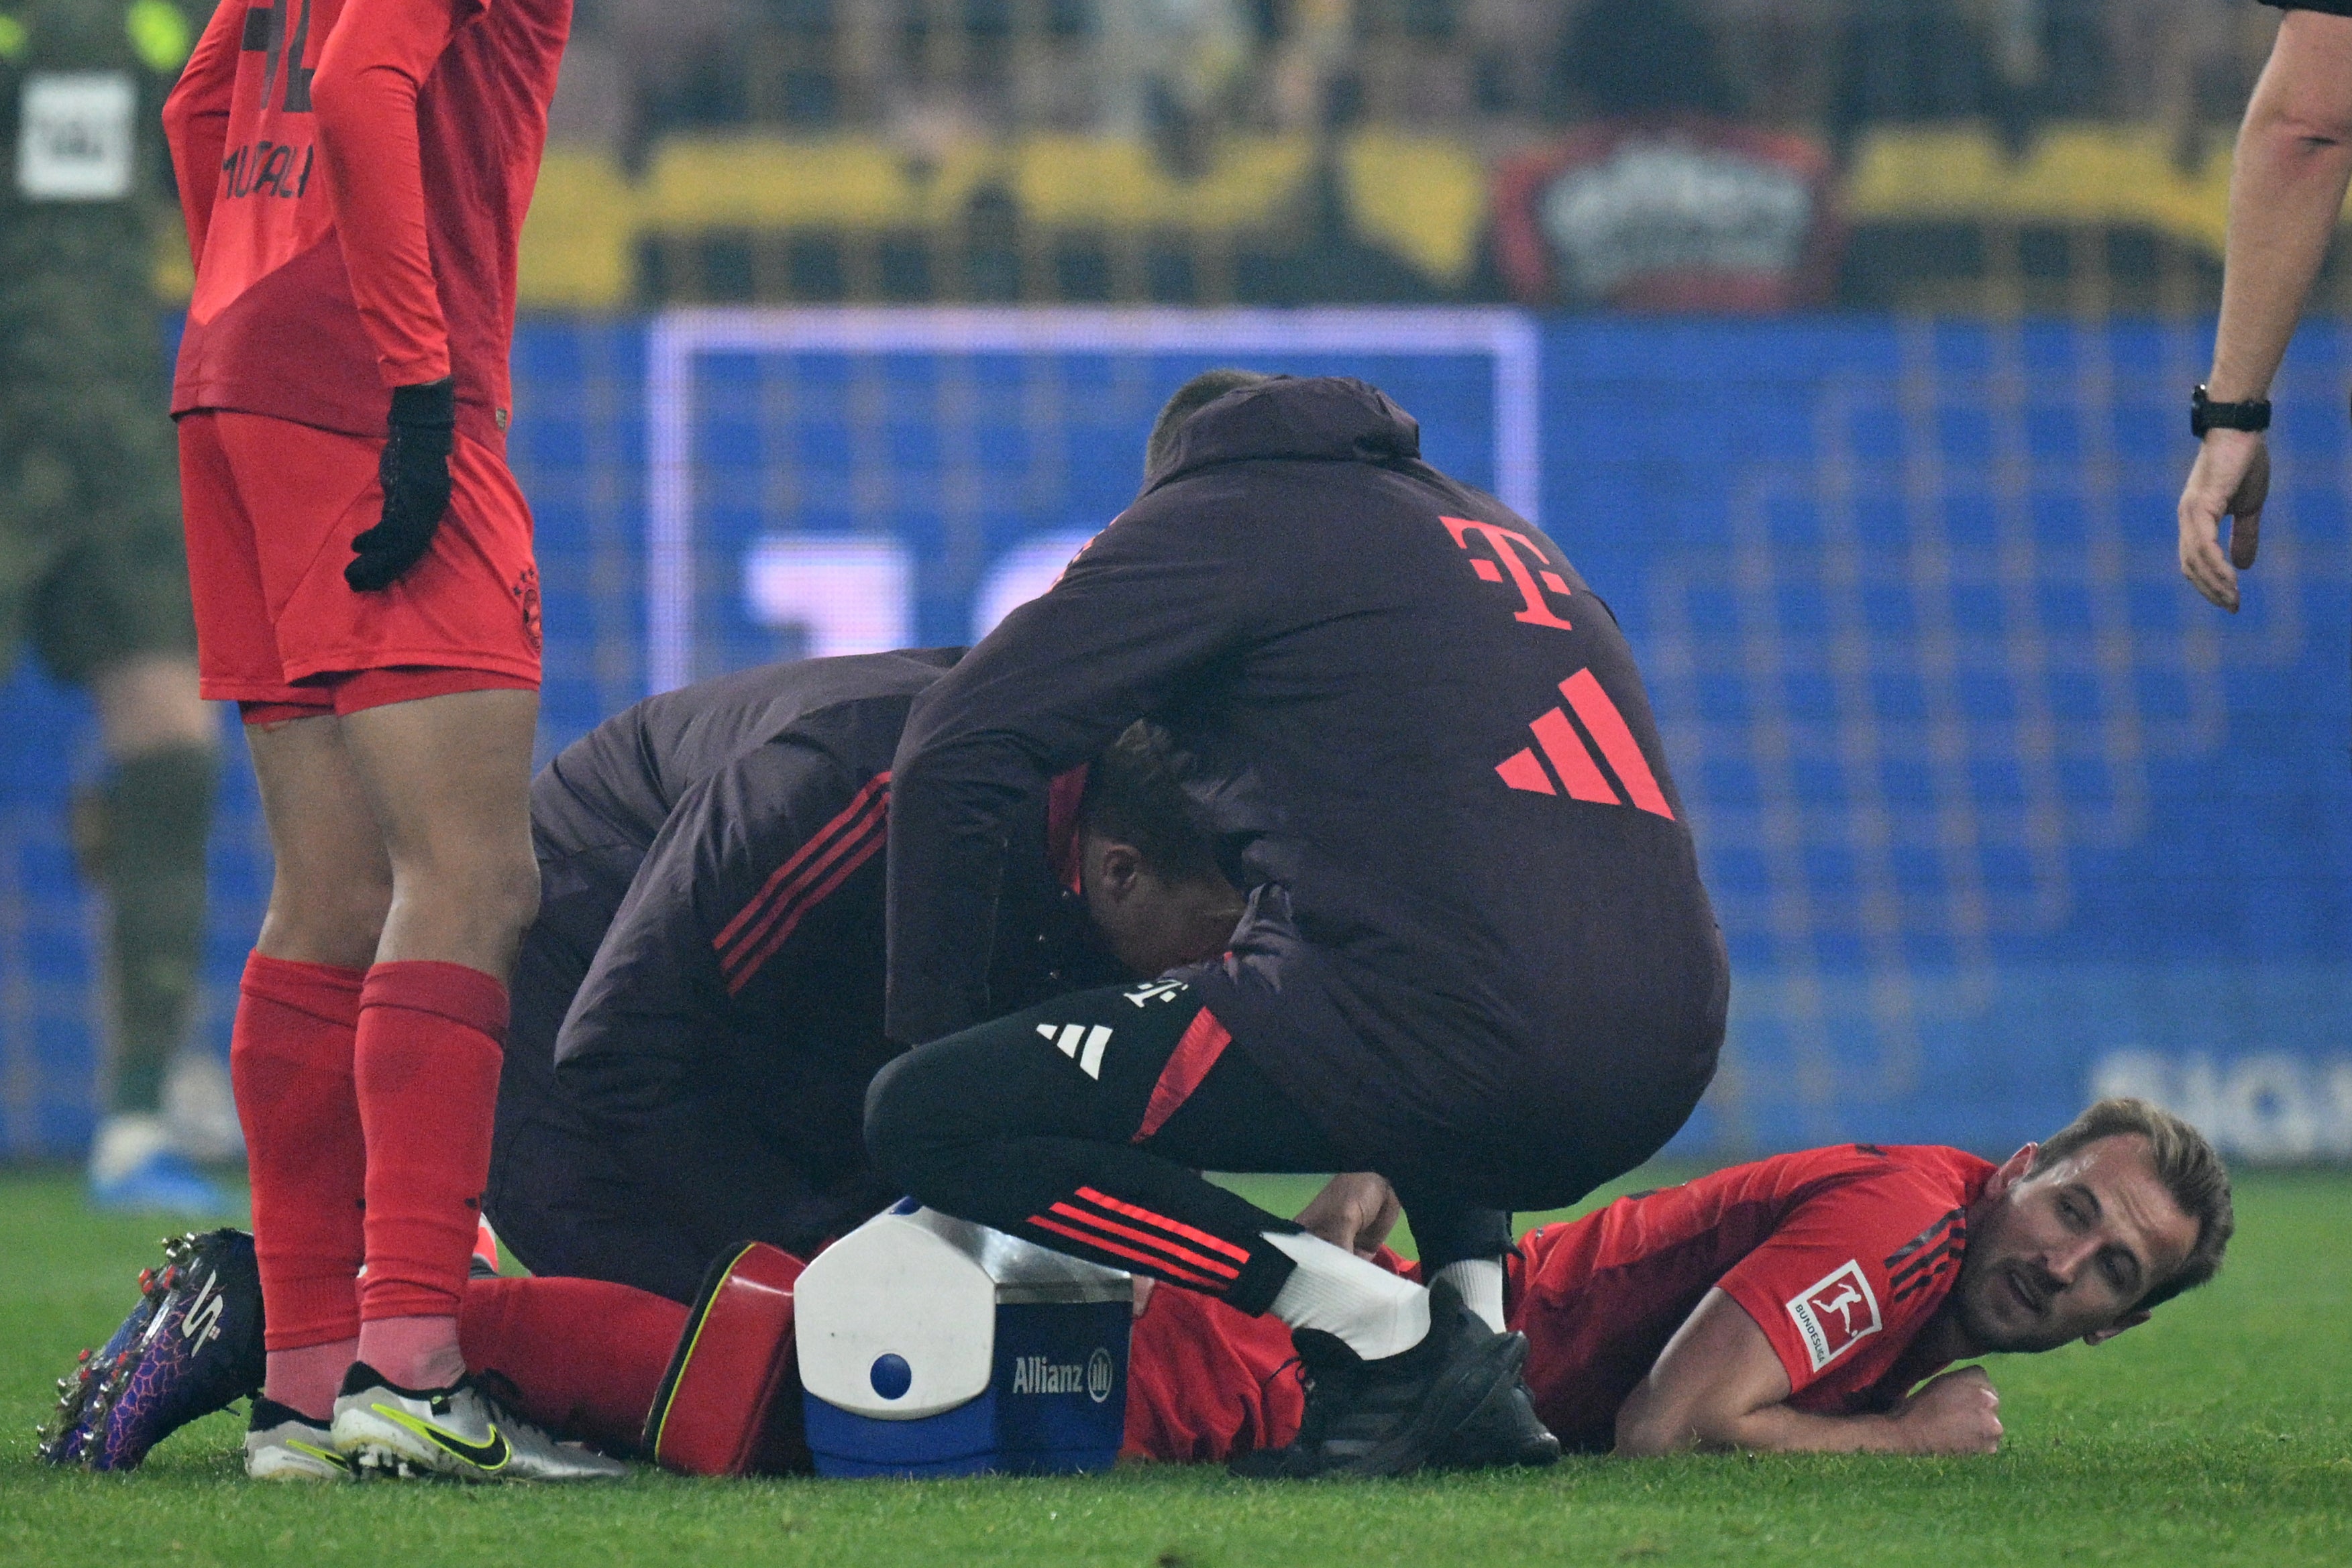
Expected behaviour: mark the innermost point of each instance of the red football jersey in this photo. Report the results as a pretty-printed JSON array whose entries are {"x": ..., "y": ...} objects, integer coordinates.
[
  {"x": 1840, "y": 1254},
  {"x": 367, "y": 239},
  {"x": 1205, "y": 1383}
]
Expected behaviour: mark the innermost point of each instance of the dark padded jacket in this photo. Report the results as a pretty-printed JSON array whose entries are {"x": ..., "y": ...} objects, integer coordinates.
[
  {"x": 710, "y": 866},
  {"x": 1478, "y": 945}
]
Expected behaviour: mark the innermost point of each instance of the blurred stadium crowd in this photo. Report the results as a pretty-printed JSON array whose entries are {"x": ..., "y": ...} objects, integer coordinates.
[{"x": 2007, "y": 156}]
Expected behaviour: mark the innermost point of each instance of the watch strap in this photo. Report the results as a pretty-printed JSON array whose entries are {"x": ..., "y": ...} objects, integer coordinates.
[{"x": 2204, "y": 415}]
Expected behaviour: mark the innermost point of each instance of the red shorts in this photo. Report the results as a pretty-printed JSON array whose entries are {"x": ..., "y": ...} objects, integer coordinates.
[{"x": 271, "y": 507}]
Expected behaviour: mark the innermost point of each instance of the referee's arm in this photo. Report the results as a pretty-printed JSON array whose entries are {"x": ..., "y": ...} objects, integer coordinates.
[{"x": 2286, "y": 191}]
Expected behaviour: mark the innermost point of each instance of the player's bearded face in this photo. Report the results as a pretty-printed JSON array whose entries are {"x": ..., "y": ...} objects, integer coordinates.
[{"x": 2071, "y": 1249}]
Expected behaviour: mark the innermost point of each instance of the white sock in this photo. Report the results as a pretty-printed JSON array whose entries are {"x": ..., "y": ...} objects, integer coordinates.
[
  {"x": 124, "y": 1143},
  {"x": 1376, "y": 1314},
  {"x": 1480, "y": 1280}
]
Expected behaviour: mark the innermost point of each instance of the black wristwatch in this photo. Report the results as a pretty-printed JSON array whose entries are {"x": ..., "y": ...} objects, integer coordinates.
[{"x": 2204, "y": 415}]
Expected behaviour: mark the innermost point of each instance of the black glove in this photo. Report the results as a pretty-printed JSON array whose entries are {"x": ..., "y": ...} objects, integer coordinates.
[{"x": 414, "y": 471}]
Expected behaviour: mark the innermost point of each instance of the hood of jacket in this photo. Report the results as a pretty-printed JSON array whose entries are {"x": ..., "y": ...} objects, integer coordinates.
[{"x": 1316, "y": 419}]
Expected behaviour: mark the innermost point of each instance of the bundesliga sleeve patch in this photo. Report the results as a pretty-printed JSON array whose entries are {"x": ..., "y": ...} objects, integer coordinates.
[{"x": 1834, "y": 1312}]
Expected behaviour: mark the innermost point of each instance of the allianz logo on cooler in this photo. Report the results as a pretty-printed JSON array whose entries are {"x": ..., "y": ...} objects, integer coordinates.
[
  {"x": 1094, "y": 1377},
  {"x": 2265, "y": 1106}
]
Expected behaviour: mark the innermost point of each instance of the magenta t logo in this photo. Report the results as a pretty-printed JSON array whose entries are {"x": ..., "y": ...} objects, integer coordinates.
[{"x": 1506, "y": 560}]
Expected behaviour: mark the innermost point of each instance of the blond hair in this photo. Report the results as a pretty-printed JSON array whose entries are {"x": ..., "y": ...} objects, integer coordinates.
[{"x": 2185, "y": 1162}]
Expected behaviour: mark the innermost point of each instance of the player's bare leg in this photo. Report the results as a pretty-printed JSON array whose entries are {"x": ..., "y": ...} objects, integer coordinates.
[
  {"x": 291, "y": 1054},
  {"x": 332, "y": 883},
  {"x": 400, "y": 833},
  {"x": 448, "y": 780}
]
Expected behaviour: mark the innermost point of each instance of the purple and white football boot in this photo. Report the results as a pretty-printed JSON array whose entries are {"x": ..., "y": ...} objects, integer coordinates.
[
  {"x": 193, "y": 1345},
  {"x": 60, "y": 1440}
]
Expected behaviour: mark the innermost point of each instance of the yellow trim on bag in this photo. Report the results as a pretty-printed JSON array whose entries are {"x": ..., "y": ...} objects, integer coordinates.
[{"x": 687, "y": 1359}]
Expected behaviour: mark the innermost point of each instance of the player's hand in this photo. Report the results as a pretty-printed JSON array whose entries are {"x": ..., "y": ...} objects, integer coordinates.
[
  {"x": 2232, "y": 479},
  {"x": 414, "y": 471},
  {"x": 1356, "y": 1211},
  {"x": 1957, "y": 1413}
]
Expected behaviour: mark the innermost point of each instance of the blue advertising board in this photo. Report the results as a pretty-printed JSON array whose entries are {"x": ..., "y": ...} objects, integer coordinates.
[{"x": 1997, "y": 813}]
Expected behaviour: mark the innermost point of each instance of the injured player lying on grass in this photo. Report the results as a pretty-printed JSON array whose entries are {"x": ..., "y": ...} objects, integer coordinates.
[
  {"x": 1810, "y": 1301},
  {"x": 1796, "y": 1303}
]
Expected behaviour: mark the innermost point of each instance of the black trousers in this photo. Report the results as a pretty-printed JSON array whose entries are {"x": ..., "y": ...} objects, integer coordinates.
[
  {"x": 558, "y": 1197},
  {"x": 573, "y": 1196},
  {"x": 1083, "y": 1124}
]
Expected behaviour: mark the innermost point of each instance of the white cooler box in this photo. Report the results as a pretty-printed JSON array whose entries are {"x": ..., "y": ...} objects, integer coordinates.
[{"x": 932, "y": 1346}]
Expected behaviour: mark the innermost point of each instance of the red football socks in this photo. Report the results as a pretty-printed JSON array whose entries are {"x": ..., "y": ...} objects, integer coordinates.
[
  {"x": 585, "y": 1356},
  {"x": 431, "y": 1038},
  {"x": 290, "y": 1053}
]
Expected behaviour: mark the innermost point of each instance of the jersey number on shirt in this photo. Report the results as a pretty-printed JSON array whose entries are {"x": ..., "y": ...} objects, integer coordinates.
[{"x": 266, "y": 31}]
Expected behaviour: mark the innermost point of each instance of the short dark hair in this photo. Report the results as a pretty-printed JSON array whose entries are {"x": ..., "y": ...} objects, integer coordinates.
[
  {"x": 2185, "y": 1161},
  {"x": 1187, "y": 400},
  {"x": 1134, "y": 795}
]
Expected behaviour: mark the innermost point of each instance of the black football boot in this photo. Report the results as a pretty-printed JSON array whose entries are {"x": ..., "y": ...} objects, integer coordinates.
[{"x": 1404, "y": 1412}]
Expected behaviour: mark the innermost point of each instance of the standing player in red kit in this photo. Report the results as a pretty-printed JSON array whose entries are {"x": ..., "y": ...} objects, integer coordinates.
[{"x": 355, "y": 175}]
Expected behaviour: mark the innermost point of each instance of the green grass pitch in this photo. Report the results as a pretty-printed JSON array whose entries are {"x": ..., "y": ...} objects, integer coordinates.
[{"x": 2222, "y": 1432}]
